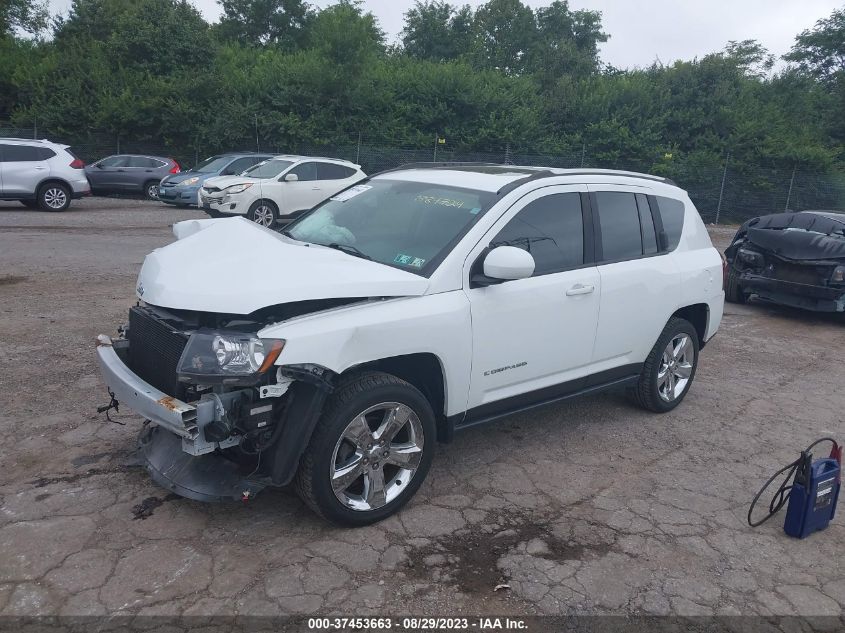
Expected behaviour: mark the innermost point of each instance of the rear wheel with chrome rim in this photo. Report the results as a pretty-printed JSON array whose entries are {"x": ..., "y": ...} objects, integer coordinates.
[
  {"x": 263, "y": 212},
  {"x": 670, "y": 367},
  {"x": 53, "y": 196},
  {"x": 370, "y": 452}
]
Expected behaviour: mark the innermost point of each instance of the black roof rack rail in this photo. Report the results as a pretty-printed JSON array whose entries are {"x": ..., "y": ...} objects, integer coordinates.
[{"x": 438, "y": 165}]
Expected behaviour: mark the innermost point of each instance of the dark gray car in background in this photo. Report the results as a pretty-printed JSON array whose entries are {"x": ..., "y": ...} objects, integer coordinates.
[{"x": 130, "y": 173}]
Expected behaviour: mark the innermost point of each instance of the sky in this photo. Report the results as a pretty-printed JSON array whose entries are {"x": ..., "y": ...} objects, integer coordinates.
[{"x": 643, "y": 31}]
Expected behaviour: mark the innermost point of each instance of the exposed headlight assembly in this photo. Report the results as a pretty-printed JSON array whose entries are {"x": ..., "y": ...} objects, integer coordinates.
[
  {"x": 238, "y": 188},
  {"x": 838, "y": 275},
  {"x": 227, "y": 357},
  {"x": 752, "y": 258}
]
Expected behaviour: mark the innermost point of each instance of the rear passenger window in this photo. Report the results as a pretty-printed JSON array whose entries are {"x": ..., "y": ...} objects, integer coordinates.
[
  {"x": 114, "y": 161},
  {"x": 305, "y": 171},
  {"x": 551, "y": 229},
  {"x": 332, "y": 171},
  {"x": 672, "y": 215},
  {"x": 646, "y": 226},
  {"x": 21, "y": 153},
  {"x": 619, "y": 221},
  {"x": 45, "y": 153}
]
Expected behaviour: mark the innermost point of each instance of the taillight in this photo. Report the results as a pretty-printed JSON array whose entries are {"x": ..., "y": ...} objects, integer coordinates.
[
  {"x": 175, "y": 169},
  {"x": 77, "y": 164}
]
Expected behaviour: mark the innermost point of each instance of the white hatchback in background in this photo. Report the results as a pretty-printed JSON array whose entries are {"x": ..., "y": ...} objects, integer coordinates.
[
  {"x": 281, "y": 188},
  {"x": 41, "y": 174}
]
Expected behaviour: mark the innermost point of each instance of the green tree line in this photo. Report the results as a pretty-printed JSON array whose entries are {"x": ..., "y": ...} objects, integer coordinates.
[{"x": 502, "y": 74}]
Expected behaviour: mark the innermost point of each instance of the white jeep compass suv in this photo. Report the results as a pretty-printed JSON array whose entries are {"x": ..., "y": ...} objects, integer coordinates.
[
  {"x": 41, "y": 174},
  {"x": 420, "y": 302}
]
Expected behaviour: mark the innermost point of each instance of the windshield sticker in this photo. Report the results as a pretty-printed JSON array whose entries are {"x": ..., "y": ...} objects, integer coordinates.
[
  {"x": 443, "y": 202},
  {"x": 350, "y": 193},
  {"x": 408, "y": 260},
  {"x": 475, "y": 210}
]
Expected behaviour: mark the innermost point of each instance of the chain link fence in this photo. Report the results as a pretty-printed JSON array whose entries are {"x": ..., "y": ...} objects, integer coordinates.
[{"x": 724, "y": 191}]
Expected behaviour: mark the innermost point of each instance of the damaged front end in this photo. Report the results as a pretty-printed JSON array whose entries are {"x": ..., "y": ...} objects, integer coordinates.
[
  {"x": 792, "y": 259},
  {"x": 224, "y": 421}
]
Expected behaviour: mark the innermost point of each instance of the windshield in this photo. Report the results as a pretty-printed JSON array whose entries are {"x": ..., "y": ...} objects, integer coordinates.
[
  {"x": 213, "y": 164},
  {"x": 407, "y": 225},
  {"x": 267, "y": 169}
]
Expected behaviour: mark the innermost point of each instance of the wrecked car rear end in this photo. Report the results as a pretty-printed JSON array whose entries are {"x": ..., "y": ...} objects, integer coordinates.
[{"x": 792, "y": 259}]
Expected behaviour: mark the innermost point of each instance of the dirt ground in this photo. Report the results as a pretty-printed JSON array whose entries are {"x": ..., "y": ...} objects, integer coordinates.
[{"x": 592, "y": 506}]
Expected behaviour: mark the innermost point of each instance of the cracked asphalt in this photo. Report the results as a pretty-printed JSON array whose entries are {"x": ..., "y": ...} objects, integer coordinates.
[{"x": 588, "y": 507}]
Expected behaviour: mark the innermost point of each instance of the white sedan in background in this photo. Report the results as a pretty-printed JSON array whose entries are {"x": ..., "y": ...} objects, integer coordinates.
[{"x": 278, "y": 189}]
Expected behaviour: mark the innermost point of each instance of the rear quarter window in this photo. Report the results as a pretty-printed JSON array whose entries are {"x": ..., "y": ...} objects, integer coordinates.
[{"x": 672, "y": 213}]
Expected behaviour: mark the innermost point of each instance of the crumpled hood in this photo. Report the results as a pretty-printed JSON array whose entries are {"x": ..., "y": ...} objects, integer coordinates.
[
  {"x": 798, "y": 236},
  {"x": 235, "y": 266}
]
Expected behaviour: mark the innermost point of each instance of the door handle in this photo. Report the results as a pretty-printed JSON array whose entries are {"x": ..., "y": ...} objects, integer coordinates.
[
  {"x": 580, "y": 289},
  {"x": 40, "y": 168}
]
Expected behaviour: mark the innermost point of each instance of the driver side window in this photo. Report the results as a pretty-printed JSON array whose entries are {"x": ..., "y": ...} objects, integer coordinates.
[{"x": 551, "y": 228}]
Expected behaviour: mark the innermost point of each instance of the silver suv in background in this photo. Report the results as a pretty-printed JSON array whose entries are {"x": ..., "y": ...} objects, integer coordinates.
[
  {"x": 41, "y": 174},
  {"x": 130, "y": 173}
]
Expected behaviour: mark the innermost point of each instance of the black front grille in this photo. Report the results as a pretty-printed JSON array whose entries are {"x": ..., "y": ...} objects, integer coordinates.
[{"x": 154, "y": 351}]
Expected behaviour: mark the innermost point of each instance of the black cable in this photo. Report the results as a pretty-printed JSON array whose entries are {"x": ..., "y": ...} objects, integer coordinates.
[{"x": 782, "y": 495}]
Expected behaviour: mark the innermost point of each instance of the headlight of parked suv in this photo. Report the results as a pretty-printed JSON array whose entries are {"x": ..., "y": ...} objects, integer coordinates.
[
  {"x": 227, "y": 357},
  {"x": 238, "y": 188},
  {"x": 190, "y": 181}
]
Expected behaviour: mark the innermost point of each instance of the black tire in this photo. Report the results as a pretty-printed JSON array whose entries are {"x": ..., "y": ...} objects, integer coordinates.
[
  {"x": 30, "y": 204},
  {"x": 53, "y": 196},
  {"x": 733, "y": 291},
  {"x": 151, "y": 190},
  {"x": 352, "y": 397},
  {"x": 264, "y": 212},
  {"x": 647, "y": 393}
]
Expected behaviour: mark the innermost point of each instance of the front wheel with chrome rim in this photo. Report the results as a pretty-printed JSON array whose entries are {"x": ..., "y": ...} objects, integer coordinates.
[
  {"x": 53, "y": 197},
  {"x": 370, "y": 452},
  {"x": 263, "y": 212},
  {"x": 670, "y": 367},
  {"x": 151, "y": 190}
]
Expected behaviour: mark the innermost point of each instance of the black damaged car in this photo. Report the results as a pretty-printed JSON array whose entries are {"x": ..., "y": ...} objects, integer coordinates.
[{"x": 792, "y": 259}]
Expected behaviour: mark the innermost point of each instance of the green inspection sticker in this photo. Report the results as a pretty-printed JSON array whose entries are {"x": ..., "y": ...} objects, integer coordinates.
[{"x": 408, "y": 260}]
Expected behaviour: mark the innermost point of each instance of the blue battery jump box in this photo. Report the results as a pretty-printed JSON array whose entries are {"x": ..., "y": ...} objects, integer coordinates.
[
  {"x": 812, "y": 500},
  {"x": 811, "y": 494}
]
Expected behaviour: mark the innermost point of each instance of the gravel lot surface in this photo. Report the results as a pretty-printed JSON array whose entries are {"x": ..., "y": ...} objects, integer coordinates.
[{"x": 593, "y": 506}]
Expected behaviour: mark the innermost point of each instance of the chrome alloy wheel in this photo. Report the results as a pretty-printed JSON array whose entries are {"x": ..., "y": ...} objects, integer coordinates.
[
  {"x": 675, "y": 367},
  {"x": 377, "y": 455},
  {"x": 55, "y": 198},
  {"x": 263, "y": 215},
  {"x": 152, "y": 192}
]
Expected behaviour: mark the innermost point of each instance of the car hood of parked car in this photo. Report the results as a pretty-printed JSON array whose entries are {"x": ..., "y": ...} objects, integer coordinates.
[
  {"x": 235, "y": 266},
  {"x": 221, "y": 182},
  {"x": 182, "y": 176}
]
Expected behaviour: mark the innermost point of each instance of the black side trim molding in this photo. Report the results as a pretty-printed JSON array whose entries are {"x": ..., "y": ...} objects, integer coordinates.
[{"x": 623, "y": 376}]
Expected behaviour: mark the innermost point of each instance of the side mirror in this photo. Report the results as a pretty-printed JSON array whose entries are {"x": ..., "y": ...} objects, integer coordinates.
[
  {"x": 506, "y": 263},
  {"x": 291, "y": 177},
  {"x": 100, "y": 166}
]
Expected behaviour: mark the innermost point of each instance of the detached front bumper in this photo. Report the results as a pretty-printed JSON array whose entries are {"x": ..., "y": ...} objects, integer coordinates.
[
  {"x": 793, "y": 294},
  {"x": 174, "y": 450},
  {"x": 129, "y": 389}
]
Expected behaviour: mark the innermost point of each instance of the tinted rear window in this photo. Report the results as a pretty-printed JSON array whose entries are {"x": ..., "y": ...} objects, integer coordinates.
[
  {"x": 331, "y": 171},
  {"x": 21, "y": 153},
  {"x": 619, "y": 220},
  {"x": 672, "y": 214}
]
